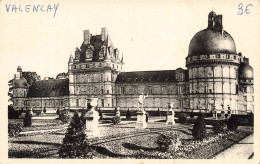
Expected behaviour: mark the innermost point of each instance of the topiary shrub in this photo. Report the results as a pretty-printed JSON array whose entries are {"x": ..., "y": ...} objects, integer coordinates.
[
  {"x": 232, "y": 124},
  {"x": 75, "y": 144},
  {"x": 159, "y": 112},
  {"x": 27, "y": 121},
  {"x": 219, "y": 127},
  {"x": 182, "y": 118},
  {"x": 14, "y": 129},
  {"x": 199, "y": 129},
  {"x": 191, "y": 115},
  {"x": 64, "y": 117},
  {"x": 146, "y": 116},
  {"x": 100, "y": 114},
  {"x": 44, "y": 110},
  {"x": 58, "y": 111},
  {"x": 168, "y": 143},
  {"x": 128, "y": 114},
  {"x": 116, "y": 120}
]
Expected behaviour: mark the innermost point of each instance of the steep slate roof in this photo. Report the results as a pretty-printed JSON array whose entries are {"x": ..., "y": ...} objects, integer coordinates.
[
  {"x": 148, "y": 76},
  {"x": 97, "y": 43},
  {"x": 49, "y": 88}
]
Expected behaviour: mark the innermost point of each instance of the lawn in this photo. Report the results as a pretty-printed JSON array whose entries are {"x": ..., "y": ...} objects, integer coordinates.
[{"x": 124, "y": 141}]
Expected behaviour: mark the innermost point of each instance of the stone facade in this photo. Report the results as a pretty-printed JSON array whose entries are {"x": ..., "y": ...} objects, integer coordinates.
[{"x": 216, "y": 78}]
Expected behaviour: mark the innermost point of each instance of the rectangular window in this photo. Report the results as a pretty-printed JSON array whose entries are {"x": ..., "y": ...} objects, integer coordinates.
[
  {"x": 77, "y": 102},
  {"x": 122, "y": 90},
  {"x": 150, "y": 90},
  {"x": 101, "y": 77},
  {"x": 107, "y": 91},
  {"x": 245, "y": 98}
]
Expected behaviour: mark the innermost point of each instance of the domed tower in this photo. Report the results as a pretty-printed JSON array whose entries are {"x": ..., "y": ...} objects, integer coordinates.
[
  {"x": 212, "y": 63},
  {"x": 20, "y": 89},
  {"x": 246, "y": 87}
]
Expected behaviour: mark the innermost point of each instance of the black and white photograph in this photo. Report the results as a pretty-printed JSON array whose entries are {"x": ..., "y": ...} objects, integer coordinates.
[{"x": 138, "y": 81}]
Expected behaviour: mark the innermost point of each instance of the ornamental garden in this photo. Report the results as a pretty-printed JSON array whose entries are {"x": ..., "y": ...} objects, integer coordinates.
[{"x": 93, "y": 133}]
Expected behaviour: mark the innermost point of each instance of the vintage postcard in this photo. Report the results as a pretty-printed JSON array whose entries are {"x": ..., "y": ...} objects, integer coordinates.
[{"x": 129, "y": 81}]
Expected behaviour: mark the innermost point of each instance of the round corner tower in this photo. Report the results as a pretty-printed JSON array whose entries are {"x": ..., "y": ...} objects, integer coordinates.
[{"x": 213, "y": 64}]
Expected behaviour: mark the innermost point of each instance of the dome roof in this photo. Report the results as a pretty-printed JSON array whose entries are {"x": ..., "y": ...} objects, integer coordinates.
[
  {"x": 245, "y": 71},
  {"x": 20, "y": 83},
  {"x": 208, "y": 41}
]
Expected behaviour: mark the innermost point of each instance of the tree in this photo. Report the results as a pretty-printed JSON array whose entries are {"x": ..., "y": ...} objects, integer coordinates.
[{"x": 75, "y": 144}]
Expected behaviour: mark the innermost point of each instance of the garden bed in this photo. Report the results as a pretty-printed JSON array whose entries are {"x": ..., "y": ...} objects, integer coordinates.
[{"x": 124, "y": 141}]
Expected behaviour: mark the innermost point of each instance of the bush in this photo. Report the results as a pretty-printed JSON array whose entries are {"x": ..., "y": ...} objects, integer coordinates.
[
  {"x": 199, "y": 129},
  {"x": 27, "y": 121},
  {"x": 12, "y": 113},
  {"x": 251, "y": 119},
  {"x": 232, "y": 124},
  {"x": 146, "y": 116},
  {"x": 219, "y": 127},
  {"x": 183, "y": 118},
  {"x": 64, "y": 117},
  {"x": 58, "y": 112},
  {"x": 14, "y": 129},
  {"x": 192, "y": 115},
  {"x": 75, "y": 144},
  {"x": 167, "y": 143},
  {"x": 100, "y": 114},
  {"x": 128, "y": 114},
  {"x": 159, "y": 112},
  {"x": 116, "y": 120}
]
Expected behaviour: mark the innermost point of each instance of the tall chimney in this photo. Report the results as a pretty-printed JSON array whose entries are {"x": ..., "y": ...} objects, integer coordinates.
[
  {"x": 103, "y": 33},
  {"x": 86, "y": 37}
]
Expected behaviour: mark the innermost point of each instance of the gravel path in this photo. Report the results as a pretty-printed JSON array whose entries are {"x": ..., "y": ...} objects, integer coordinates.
[{"x": 242, "y": 150}]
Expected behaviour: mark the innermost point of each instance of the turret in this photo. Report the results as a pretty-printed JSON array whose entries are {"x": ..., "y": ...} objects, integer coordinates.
[{"x": 70, "y": 63}]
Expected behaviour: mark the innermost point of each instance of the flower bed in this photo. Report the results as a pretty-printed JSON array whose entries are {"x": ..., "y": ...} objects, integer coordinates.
[{"x": 125, "y": 141}]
